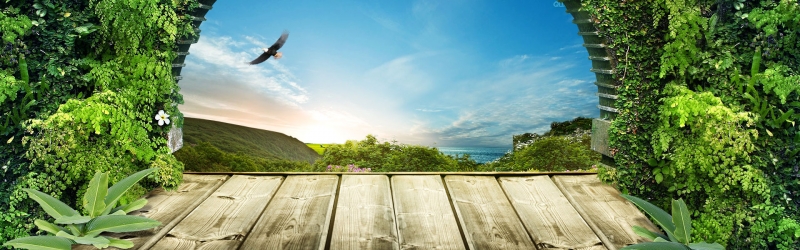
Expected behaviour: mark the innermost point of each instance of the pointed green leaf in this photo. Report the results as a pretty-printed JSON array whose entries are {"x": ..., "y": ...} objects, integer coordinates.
[
  {"x": 120, "y": 224},
  {"x": 119, "y": 243},
  {"x": 41, "y": 243},
  {"x": 85, "y": 240},
  {"x": 706, "y": 246},
  {"x": 116, "y": 191},
  {"x": 77, "y": 219},
  {"x": 662, "y": 218},
  {"x": 647, "y": 234},
  {"x": 95, "y": 194},
  {"x": 51, "y": 205},
  {"x": 657, "y": 245},
  {"x": 682, "y": 220},
  {"x": 133, "y": 206},
  {"x": 47, "y": 226}
]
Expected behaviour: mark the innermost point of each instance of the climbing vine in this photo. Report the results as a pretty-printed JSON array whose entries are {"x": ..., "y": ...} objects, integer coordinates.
[
  {"x": 713, "y": 117},
  {"x": 80, "y": 83}
]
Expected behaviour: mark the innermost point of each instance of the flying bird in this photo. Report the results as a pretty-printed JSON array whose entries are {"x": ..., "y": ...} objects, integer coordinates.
[{"x": 272, "y": 50}]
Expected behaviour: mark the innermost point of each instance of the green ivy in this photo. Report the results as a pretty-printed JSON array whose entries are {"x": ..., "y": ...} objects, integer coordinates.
[
  {"x": 709, "y": 98},
  {"x": 80, "y": 83}
]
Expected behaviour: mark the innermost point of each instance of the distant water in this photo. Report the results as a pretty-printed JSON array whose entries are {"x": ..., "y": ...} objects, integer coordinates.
[{"x": 479, "y": 154}]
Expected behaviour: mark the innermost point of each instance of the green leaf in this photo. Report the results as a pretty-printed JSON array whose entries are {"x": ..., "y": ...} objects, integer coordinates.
[
  {"x": 657, "y": 245},
  {"x": 101, "y": 242},
  {"x": 77, "y": 219},
  {"x": 133, "y": 206},
  {"x": 51, "y": 205},
  {"x": 95, "y": 194},
  {"x": 706, "y": 246},
  {"x": 116, "y": 191},
  {"x": 683, "y": 223},
  {"x": 119, "y": 224},
  {"x": 41, "y": 243},
  {"x": 47, "y": 226},
  {"x": 662, "y": 218},
  {"x": 659, "y": 177},
  {"x": 647, "y": 234},
  {"x": 119, "y": 243}
]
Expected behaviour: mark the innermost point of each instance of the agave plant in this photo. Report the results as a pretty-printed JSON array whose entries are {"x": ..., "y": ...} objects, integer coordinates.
[
  {"x": 103, "y": 215},
  {"x": 678, "y": 227}
]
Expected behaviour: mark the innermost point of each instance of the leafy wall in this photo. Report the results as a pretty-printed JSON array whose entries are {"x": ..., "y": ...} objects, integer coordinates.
[
  {"x": 80, "y": 84},
  {"x": 708, "y": 112}
]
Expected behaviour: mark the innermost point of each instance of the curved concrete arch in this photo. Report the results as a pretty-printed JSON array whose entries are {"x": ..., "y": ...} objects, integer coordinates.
[{"x": 603, "y": 65}]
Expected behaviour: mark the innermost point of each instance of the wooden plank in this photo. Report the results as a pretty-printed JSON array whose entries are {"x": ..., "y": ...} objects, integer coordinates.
[
  {"x": 224, "y": 218},
  {"x": 425, "y": 219},
  {"x": 606, "y": 212},
  {"x": 364, "y": 214},
  {"x": 390, "y": 174},
  {"x": 547, "y": 214},
  {"x": 298, "y": 217},
  {"x": 486, "y": 216},
  {"x": 169, "y": 208}
]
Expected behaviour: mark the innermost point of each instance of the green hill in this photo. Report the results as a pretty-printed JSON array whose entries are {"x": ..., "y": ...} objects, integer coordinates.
[{"x": 248, "y": 141}]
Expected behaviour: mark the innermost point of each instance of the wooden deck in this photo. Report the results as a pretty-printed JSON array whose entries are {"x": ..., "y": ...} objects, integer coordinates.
[{"x": 390, "y": 211}]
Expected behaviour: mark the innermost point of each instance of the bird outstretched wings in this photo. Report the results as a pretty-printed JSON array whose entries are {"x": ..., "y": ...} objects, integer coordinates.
[{"x": 272, "y": 50}]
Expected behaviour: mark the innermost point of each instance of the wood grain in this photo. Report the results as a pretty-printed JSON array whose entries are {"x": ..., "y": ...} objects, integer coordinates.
[
  {"x": 601, "y": 206},
  {"x": 169, "y": 208},
  {"x": 227, "y": 215},
  {"x": 299, "y": 215},
  {"x": 425, "y": 219},
  {"x": 486, "y": 216},
  {"x": 547, "y": 214},
  {"x": 364, "y": 214}
]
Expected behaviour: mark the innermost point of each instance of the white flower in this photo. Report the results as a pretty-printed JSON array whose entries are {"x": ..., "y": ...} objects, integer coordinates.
[{"x": 162, "y": 118}]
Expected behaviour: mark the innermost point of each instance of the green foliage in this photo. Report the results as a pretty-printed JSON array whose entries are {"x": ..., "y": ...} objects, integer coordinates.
[
  {"x": 80, "y": 82},
  {"x": 556, "y": 128},
  {"x": 249, "y": 141},
  {"x": 13, "y": 27},
  {"x": 569, "y": 152},
  {"x": 317, "y": 147},
  {"x": 712, "y": 118},
  {"x": 205, "y": 157},
  {"x": 101, "y": 215},
  {"x": 678, "y": 227},
  {"x": 390, "y": 157}
]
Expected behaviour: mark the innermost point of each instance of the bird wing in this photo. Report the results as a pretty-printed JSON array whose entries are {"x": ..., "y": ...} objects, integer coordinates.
[
  {"x": 278, "y": 44},
  {"x": 263, "y": 57}
]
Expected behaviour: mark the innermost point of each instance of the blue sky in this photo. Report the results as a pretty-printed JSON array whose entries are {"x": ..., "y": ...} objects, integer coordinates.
[{"x": 434, "y": 73}]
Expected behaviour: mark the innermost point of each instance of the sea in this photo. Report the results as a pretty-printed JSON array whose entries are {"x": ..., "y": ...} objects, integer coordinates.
[{"x": 479, "y": 154}]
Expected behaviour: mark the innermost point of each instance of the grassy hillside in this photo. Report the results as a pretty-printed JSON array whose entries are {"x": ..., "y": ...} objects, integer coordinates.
[
  {"x": 320, "y": 148},
  {"x": 248, "y": 141}
]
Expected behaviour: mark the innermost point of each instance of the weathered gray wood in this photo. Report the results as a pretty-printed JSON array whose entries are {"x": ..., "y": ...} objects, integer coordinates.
[
  {"x": 169, "y": 208},
  {"x": 364, "y": 214},
  {"x": 177, "y": 243},
  {"x": 227, "y": 215},
  {"x": 611, "y": 216},
  {"x": 425, "y": 219},
  {"x": 547, "y": 214},
  {"x": 298, "y": 217},
  {"x": 487, "y": 217}
]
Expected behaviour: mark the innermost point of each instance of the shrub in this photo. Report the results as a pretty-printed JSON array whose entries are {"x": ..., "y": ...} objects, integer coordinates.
[
  {"x": 390, "y": 157},
  {"x": 550, "y": 153}
]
